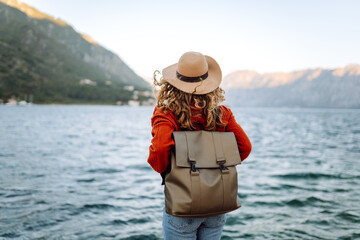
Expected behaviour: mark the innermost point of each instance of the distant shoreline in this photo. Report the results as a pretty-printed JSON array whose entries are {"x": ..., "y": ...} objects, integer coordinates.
[
  {"x": 232, "y": 106},
  {"x": 73, "y": 104}
]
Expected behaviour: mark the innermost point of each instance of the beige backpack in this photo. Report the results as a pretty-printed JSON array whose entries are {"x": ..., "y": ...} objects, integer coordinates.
[{"x": 203, "y": 180}]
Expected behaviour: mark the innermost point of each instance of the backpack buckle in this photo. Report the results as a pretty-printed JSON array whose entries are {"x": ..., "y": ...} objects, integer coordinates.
[
  {"x": 222, "y": 166},
  {"x": 192, "y": 167}
]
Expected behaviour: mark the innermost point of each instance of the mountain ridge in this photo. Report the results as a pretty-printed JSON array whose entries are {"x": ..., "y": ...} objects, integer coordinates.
[
  {"x": 38, "y": 52},
  {"x": 250, "y": 79},
  {"x": 33, "y": 12},
  {"x": 320, "y": 87},
  {"x": 97, "y": 54}
]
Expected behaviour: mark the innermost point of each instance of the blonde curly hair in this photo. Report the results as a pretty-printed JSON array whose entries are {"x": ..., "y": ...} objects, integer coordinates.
[{"x": 179, "y": 103}]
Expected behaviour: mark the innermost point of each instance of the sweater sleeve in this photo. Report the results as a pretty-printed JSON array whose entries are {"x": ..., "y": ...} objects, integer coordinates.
[
  {"x": 242, "y": 139},
  {"x": 162, "y": 142}
]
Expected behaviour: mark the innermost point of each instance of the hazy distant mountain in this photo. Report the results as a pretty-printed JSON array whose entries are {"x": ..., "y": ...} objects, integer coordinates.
[
  {"x": 338, "y": 88},
  {"x": 46, "y": 57}
]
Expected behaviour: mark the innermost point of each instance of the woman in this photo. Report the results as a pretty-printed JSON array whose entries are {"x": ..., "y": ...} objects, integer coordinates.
[{"x": 188, "y": 99}]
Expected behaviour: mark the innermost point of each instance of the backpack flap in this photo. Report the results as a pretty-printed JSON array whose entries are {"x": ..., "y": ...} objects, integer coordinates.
[{"x": 206, "y": 148}]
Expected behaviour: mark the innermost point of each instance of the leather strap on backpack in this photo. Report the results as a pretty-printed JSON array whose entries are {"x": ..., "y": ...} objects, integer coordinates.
[
  {"x": 220, "y": 157},
  {"x": 221, "y": 160},
  {"x": 195, "y": 180}
]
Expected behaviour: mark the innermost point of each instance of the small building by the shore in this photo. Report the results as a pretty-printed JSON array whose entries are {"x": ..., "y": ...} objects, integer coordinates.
[
  {"x": 133, "y": 103},
  {"x": 129, "y": 88},
  {"x": 87, "y": 82}
]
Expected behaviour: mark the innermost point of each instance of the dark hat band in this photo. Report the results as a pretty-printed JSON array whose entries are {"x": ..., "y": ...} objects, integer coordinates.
[{"x": 191, "y": 79}]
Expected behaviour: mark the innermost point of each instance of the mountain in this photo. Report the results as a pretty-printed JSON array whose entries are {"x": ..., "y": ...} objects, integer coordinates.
[
  {"x": 329, "y": 88},
  {"x": 45, "y": 57}
]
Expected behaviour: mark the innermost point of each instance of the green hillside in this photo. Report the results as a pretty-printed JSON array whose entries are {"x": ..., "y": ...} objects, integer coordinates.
[{"x": 49, "y": 60}]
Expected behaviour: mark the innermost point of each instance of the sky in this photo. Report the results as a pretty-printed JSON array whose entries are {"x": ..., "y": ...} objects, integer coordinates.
[{"x": 260, "y": 35}]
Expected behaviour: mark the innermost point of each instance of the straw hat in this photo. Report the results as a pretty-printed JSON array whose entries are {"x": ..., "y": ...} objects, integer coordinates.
[{"x": 194, "y": 73}]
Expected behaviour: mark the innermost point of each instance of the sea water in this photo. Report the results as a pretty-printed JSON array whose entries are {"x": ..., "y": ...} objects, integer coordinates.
[{"x": 81, "y": 172}]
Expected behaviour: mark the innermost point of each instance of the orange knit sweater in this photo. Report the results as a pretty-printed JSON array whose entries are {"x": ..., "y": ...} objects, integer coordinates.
[{"x": 164, "y": 124}]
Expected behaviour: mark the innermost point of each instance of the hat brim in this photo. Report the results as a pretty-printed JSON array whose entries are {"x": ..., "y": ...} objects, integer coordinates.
[{"x": 203, "y": 87}]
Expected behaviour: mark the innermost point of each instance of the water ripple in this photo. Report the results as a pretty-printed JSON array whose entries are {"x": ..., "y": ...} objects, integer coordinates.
[{"x": 80, "y": 172}]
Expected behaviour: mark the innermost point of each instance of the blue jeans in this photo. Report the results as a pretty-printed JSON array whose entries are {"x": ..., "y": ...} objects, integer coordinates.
[{"x": 208, "y": 228}]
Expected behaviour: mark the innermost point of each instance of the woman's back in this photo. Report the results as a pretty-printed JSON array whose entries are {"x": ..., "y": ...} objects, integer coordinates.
[{"x": 163, "y": 124}]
